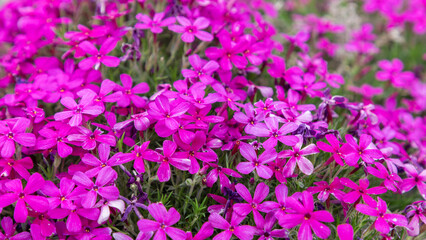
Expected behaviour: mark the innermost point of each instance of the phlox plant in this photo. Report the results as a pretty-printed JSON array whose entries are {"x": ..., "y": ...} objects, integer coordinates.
[{"x": 212, "y": 119}]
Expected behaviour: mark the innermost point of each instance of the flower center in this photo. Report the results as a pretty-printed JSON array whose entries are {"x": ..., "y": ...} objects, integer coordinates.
[{"x": 307, "y": 216}]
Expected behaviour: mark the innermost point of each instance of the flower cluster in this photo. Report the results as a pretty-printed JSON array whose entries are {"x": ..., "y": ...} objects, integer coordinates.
[{"x": 215, "y": 120}]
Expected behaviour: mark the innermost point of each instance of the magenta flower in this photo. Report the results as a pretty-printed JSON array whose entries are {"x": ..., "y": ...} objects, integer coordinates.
[
  {"x": 253, "y": 203},
  {"x": 274, "y": 133},
  {"x": 333, "y": 148},
  {"x": 166, "y": 114},
  {"x": 103, "y": 161},
  {"x": 280, "y": 207},
  {"x": 391, "y": 180},
  {"x": 62, "y": 196},
  {"x": 163, "y": 222},
  {"x": 129, "y": 93},
  {"x": 277, "y": 69},
  {"x": 254, "y": 162},
  {"x": 265, "y": 231},
  {"x": 86, "y": 33},
  {"x": 76, "y": 216},
  {"x": 220, "y": 172},
  {"x": 76, "y": 111},
  {"x": 9, "y": 229},
  {"x": 361, "y": 190},
  {"x": 13, "y": 130},
  {"x": 243, "y": 232},
  {"x": 104, "y": 96},
  {"x": 100, "y": 187},
  {"x": 88, "y": 139},
  {"x": 155, "y": 24},
  {"x": 98, "y": 57},
  {"x": 308, "y": 85},
  {"x": 365, "y": 150},
  {"x": 415, "y": 179},
  {"x": 196, "y": 150},
  {"x": 417, "y": 213},
  {"x": 229, "y": 54},
  {"x": 10, "y": 167},
  {"x": 140, "y": 153},
  {"x": 345, "y": 232},
  {"x": 170, "y": 158},
  {"x": 297, "y": 157},
  {"x": 190, "y": 29},
  {"x": 303, "y": 213},
  {"x": 392, "y": 71},
  {"x": 23, "y": 196},
  {"x": 201, "y": 69},
  {"x": 384, "y": 219},
  {"x": 56, "y": 138},
  {"x": 324, "y": 189}
]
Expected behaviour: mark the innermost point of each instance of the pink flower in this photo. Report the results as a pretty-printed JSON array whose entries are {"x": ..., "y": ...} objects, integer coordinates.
[
  {"x": 333, "y": 148},
  {"x": 220, "y": 172},
  {"x": 170, "y": 158},
  {"x": 324, "y": 189},
  {"x": 202, "y": 69},
  {"x": 162, "y": 225},
  {"x": 100, "y": 187},
  {"x": 88, "y": 139},
  {"x": 415, "y": 179},
  {"x": 10, "y": 167},
  {"x": 56, "y": 138},
  {"x": 103, "y": 161},
  {"x": 140, "y": 153},
  {"x": 302, "y": 212},
  {"x": 253, "y": 203},
  {"x": 9, "y": 229},
  {"x": 229, "y": 54},
  {"x": 365, "y": 150},
  {"x": 23, "y": 196},
  {"x": 98, "y": 57},
  {"x": 265, "y": 231},
  {"x": 13, "y": 130},
  {"x": 345, "y": 231},
  {"x": 76, "y": 111},
  {"x": 383, "y": 219},
  {"x": 391, "y": 180},
  {"x": 361, "y": 190},
  {"x": 129, "y": 93},
  {"x": 248, "y": 152},
  {"x": 191, "y": 29},
  {"x": 155, "y": 24},
  {"x": 297, "y": 157},
  {"x": 275, "y": 133},
  {"x": 392, "y": 71},
  {"x": 243, "y": 232}
]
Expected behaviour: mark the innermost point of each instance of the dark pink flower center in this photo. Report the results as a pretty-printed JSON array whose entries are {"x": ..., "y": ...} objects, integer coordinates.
[{"x": 307, "y": 216}]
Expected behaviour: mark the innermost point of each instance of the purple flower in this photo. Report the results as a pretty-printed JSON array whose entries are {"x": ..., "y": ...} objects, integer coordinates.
[
  {"x": 248, "y": 152},
  {"x": 163, "y": 222},
  {"x": 220, "y": 172},
  {"x": 383, "y": 219},
  {"x": 63, "y": 196},
  {"x": 391, "y": 180},
  {"x": 155, "y": 24},
  {"x": 361, "y": 190},
  {"x": 98, "y": 57},
  {"x": 302, "y": 212},
  {"x": 243, "y": 232},
  {"x": 418, "y": 215},
  {"x": 250, "y": 118},
  {"x": 190, "y": 29},
  {"x": 76, "y": 111},
  {"x": 166, "y": 114},
  {"x": 297, "y": 157},
  {"x": 129, "y": 93},
  {"x": 22, "y": 196},
  {"x": 366, "y": 150},
  {"x": 202, "y": 69},
  {"x": 100, "y": 187},
  {"x": 13, "y": 130}
]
